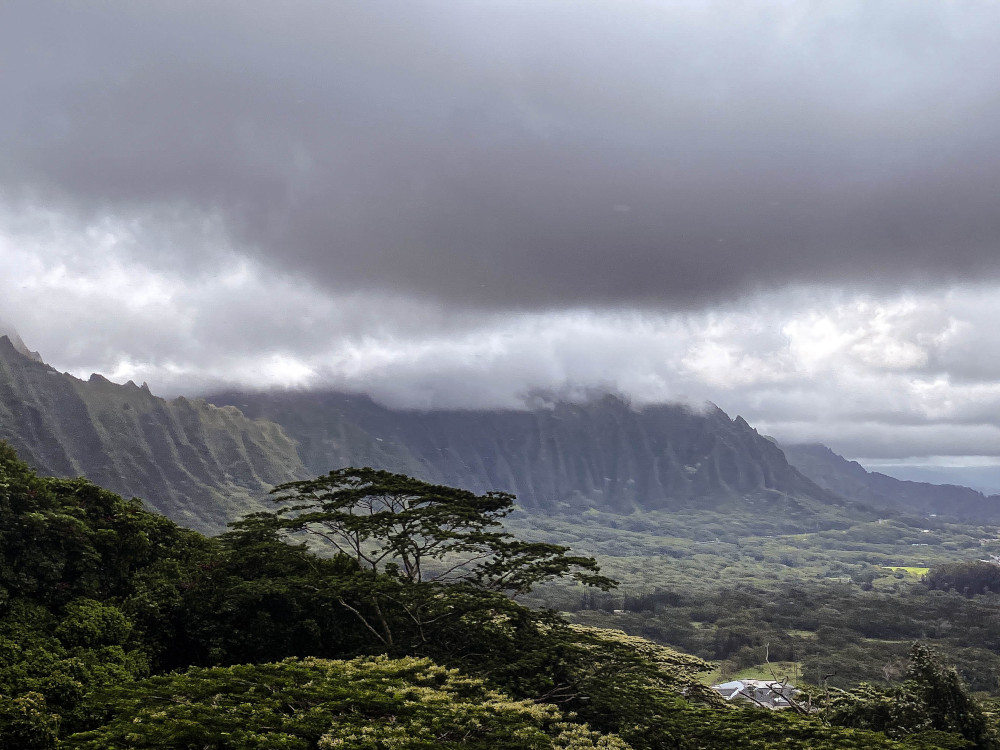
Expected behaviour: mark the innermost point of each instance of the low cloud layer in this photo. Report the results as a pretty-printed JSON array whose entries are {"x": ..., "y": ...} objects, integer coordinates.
[
  {"x": 883, "y": 377},
  {"x": 791, "y": 209}
]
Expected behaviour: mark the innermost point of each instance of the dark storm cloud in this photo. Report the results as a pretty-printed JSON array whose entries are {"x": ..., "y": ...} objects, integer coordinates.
[{"x": 531, "y": 155}]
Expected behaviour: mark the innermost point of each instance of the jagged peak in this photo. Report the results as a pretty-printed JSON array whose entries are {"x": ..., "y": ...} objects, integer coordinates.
[
  {"x": 814, "y": 447},
  {"x": 15, "y": 341}
]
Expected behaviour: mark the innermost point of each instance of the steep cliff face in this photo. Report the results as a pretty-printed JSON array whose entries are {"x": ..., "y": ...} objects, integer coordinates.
[
  {"x": 567, "y": 457},
  {"x": 853, "y": 481},
  {"x": 199, "y": 464}
]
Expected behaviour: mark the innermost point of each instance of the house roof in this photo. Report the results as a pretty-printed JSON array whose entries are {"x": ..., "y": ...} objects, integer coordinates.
[{"x": 773, "y": 692}]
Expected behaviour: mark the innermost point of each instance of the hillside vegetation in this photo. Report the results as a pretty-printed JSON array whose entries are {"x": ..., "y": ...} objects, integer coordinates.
[{"x": 120, "y": 629}]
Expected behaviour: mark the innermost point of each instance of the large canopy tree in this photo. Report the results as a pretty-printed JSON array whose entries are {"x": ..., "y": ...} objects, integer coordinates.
[
  {"x": 397, "y": 524},
  {"x": 427, "y": 556}
]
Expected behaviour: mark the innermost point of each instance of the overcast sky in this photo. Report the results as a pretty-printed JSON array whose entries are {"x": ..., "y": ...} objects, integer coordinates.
[{"x": 790, "y": 208}]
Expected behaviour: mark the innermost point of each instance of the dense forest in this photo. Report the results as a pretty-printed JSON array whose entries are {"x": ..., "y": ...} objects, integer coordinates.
[
  {"x": 846, "y": 602},
  {"x": 368, "y": 610}
]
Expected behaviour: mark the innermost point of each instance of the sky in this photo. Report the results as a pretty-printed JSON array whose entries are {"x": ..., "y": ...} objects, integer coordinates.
[{"x": 789, "y": 208}]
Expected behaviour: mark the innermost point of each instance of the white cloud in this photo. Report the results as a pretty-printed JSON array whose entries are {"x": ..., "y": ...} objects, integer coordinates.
[{"x": 888, "y": 376}]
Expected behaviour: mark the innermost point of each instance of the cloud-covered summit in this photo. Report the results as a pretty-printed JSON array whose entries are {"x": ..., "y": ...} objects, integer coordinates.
[{"x": 789, "y": 208}]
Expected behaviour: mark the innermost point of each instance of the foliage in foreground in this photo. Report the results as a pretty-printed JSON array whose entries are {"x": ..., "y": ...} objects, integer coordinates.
[{"x": 359, "y": 704}]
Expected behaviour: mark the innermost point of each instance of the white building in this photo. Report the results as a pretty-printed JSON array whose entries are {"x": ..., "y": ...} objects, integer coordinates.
[{"x": 767, "y": 693}]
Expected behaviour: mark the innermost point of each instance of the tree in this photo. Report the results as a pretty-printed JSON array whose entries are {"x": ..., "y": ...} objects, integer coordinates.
[
  {"x": 932, "y": 701},
  {"x": 397, "y": 524},
  {"x": 426, "y": 555},
  {"x": 950, "y": 707},
  {"x": 27, "y": 724},
  {"x": 253, "y": 598},
  {"x": 968, "y": 578}
]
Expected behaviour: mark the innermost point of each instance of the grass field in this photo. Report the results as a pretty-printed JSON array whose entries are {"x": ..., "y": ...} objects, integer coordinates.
[{"x": 910, "y": 570}]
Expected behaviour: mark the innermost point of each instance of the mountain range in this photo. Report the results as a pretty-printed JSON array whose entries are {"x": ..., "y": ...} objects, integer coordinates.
[
  {"x": 203, "y": 462},
  {"x": 850, "y": 479}
]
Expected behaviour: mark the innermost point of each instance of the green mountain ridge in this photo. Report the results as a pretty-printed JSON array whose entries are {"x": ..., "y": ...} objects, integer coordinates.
[
  {"x": 196, "y": 463},
  {"x": 601, "y": 454}
]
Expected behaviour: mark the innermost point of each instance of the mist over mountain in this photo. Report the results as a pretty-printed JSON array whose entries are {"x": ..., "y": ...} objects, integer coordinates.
[
  {"x": 206, "y": 462},
  {"x": 18, "y": 343}
]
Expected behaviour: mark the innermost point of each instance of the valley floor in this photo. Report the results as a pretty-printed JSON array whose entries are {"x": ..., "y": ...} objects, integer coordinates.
[{"x": 846, "y": 603}]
